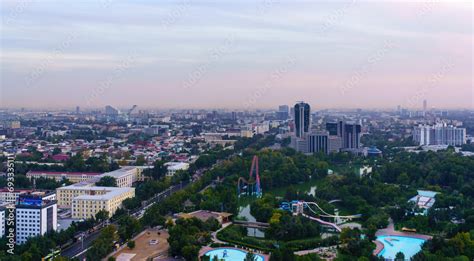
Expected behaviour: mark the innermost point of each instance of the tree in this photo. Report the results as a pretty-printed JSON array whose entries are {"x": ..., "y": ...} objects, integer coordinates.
[
  {"x": 128, "y": 226},
  {"x": 400, "y": 256},
  {"x": 158, "y": 171},
  {"x": 131, "y": 244},
  {"x": 103, "y": 244},
  {"x": 107, "y": 181},
  {"x": 141, "y": 161},
  {"x": 102, "y": 215},
  {"x": 250, "y": 256}
]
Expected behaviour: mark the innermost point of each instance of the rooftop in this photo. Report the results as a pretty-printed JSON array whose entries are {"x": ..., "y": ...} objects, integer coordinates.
[
  {"x": 109, "y": 192},
  {"x": 63, "y": 172}
]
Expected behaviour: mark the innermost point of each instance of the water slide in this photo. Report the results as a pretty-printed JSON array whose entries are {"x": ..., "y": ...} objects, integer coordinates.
[
  {"x": 323, "y": 222},
  {"x": 325, "y": 213}
]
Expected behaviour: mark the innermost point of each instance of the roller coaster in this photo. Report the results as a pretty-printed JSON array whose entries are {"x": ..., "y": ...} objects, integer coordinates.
[
  {"x": 251, "y": 186},
  {"x": 298, "y": 207}
]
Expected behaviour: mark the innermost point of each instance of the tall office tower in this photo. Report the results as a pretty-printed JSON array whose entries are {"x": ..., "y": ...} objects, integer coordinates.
[
  {"x": 111, "y": 111},
  {"x": 333, "y": 128},
  {"x": 425, "y": 106},
  {"x": 349, "y": 133},
  {"x": 352, "y": 135},
  {"x": 282, "y": 113},
  {"x": 302, "y": 119},
  {"x": 35, "y": 216},
  {"x": 78, "y": 109}
]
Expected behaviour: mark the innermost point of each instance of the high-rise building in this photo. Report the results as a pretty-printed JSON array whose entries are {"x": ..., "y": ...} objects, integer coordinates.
[
  {"x": 283, "y": 112},
  {"x": 348, "y": 132},
  {"x": 302, "y": 119},
  {"x": 351, "y": 138},
  {"x": 78, "y": 109},
  {"x": 439, "y": 134},
  {"x": 425, "y": 106},
  {"x": 35, "y": 215},
  {"x": 111, "y": 111},
  {"x": 334, "y": 144}
]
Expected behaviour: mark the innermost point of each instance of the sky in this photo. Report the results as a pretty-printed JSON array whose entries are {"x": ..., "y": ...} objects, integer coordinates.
[{"x": 236, "y": 54}]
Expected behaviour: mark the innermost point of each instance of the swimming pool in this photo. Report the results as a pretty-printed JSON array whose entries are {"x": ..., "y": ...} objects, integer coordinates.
[
  {"x": 409, "y": 246},
  {"x": 230, "y": 254}
]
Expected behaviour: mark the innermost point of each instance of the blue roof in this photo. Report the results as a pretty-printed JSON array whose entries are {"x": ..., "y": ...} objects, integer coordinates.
[{"x": 427, "y": 193}]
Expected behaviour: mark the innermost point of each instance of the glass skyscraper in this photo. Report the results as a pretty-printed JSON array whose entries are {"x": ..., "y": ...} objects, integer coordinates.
[{"x": 302, "y": 119}]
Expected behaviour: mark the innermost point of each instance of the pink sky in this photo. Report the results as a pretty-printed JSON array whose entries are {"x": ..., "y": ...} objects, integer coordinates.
[{"x": 243, "y": 55}]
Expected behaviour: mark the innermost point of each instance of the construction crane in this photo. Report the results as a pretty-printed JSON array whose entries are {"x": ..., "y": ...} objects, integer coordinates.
[{"x": 131, "y": 110}]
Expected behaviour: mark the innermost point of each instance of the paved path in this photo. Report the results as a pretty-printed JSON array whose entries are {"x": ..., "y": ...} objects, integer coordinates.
[
  {"x": 214, "y": 234},
  {"x": 390, "y": 231},
  {"x": 326, "y": 253}
]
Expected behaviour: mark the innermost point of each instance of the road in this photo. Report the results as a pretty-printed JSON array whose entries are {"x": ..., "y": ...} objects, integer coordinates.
[{"x": 76, "y": 249}]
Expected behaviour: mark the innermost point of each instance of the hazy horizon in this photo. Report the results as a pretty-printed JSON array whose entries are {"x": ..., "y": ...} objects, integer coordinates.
[{"x": 244, "y": 55}]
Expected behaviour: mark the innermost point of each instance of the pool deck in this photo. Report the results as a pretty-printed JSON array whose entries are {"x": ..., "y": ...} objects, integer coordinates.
[
  {"x": 207, "y": 249},
  {"x": 390, "y": 231}
]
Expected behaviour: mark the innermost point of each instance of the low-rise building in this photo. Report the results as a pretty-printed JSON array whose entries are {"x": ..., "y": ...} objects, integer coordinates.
[
  {"x": 12, "y": 196},
  {"x": 174, "y": 167},
  {"x": 86, "y": 201},
  {"x": 60, "y": 175},
  {"x": 126, "y": 176},
  {"x": 424, "y": 201},
  {"x": 204, "y": 215}
]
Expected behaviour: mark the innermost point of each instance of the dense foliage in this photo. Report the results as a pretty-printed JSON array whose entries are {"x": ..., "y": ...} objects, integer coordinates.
[{"x": 188, "y": 235}]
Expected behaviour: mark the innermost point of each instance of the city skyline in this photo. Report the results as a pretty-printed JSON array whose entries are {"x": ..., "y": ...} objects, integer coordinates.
[{"x": 236, "y": 55}]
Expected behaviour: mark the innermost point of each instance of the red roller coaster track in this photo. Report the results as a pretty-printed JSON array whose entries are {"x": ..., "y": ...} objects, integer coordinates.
[{"x": 257, "y": 189}]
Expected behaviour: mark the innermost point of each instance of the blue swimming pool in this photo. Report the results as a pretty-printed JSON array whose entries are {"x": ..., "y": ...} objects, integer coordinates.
[
  {"x": 230, "y": 254},
  {"x": 409, "y": 246}
]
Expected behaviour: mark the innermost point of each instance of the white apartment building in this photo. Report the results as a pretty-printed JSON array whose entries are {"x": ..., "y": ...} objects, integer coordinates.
[
  {"x": 439, "y": 134},
  {"x": 34, "y": 216},
  {"x": 174, "y": 167},
  {"x": 125, "y": 176}
]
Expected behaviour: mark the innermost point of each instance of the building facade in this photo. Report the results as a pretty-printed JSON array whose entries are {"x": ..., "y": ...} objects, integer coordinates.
[
  {"x": 439, "y": 134},
  {"x": 11, "y": 197},
  {"x": 35, "y": 216},
  {"x": 318, "y": 142},
  {"x": 302, "y": 119},
  {"x": 86, "y": 201},
  {"x": 283, "y": 112},
  {"x": 349, "y": 133},
  {"x": 74, "y": 177},
  {"x": 2, "y": 221},
  {"x": 126, "y": 176}
]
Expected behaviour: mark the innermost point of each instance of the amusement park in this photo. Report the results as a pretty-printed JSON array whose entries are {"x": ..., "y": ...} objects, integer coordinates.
[
  {"x": 251, "y": 187},
  {"x": 303, "y": 214}
]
